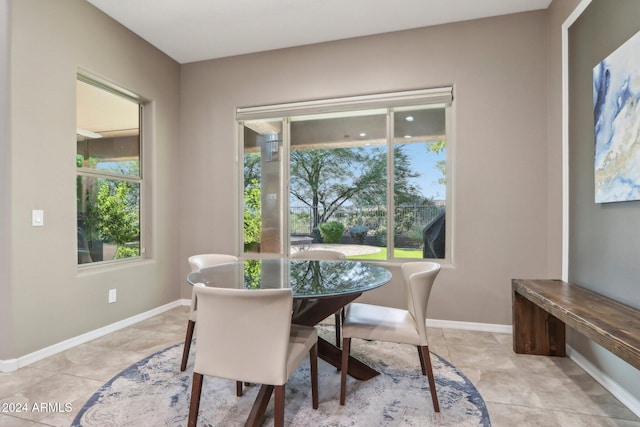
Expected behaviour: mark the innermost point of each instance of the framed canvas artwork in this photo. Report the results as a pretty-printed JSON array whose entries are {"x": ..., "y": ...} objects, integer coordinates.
[{"x": 616, "y": 109}]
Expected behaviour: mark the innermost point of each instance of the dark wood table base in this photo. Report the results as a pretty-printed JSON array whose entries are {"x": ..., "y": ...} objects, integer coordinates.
[
  {"x": 256, "y": 416},
  {"x": 333, "y": 355},
  {"x": 310, "y": 312}
]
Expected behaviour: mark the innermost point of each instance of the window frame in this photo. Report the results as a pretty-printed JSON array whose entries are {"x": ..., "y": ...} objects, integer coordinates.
[
  {"x": 388, "y": 101},
  {"x": 102, "y": 84}
]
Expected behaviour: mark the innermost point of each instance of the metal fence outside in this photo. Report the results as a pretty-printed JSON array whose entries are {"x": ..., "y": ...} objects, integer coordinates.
[{"x": 407, "y": 218}]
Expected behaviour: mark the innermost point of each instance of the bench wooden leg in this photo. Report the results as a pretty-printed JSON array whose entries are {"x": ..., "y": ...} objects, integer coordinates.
[{"x": 535, "y": 331}]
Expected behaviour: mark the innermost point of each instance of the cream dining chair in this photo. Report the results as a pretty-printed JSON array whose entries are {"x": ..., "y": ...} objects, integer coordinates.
[
  {"x": 372, "y": 322},
  {"x": 196, "y": 262},
  {"x": 260, "y": 346},
  {"x": 324, "y": 254}
]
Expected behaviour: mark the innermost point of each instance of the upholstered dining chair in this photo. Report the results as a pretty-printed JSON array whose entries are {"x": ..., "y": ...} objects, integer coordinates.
[
  {"x": 372, "y": 322},
  {"x": 261, "y": 346},
  {"x": 324, "y": 254},
  {"x": 196, "y": 262}
]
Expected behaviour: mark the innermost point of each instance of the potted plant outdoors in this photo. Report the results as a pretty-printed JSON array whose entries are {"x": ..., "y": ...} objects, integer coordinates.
[{"x": 359, "y": 233}]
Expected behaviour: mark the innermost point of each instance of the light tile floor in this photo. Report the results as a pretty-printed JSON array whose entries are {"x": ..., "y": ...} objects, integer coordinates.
[{"x": 519, "y": 390}]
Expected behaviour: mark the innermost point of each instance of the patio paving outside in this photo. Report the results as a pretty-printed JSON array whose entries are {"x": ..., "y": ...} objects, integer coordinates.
[{"x": 348, "y": 250}]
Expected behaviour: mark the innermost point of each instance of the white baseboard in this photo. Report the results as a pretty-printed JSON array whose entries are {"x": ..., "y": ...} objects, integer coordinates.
[
  {"x": 8, "y": 365},
  {"x": 11, "y": 365},
  {"x": 613, "y": 387},
  {"x": 470, "y": 326}
]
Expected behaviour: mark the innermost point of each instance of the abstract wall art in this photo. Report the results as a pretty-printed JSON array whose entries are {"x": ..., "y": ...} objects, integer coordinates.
[{"x": 616, "y": 108}]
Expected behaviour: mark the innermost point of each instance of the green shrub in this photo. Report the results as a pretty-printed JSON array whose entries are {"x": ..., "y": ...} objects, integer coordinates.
[
  {"x": 331, "y": 231},
  {"x": 127, "y": 251},
  {"x": 358, "y": 233}
]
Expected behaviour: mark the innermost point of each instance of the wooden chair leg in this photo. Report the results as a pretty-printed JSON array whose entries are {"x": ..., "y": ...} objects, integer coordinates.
[
  {"x": 238, "y": 388},
  {"x": 194, "y": 407},
  {"x": 187, "y": 345},
  {"x": 424, "y": 368},
  {"x": 313, "y": 362},
  {"x": 338, "y": 322},
  {"x": 424, "y": 350},
  {"x": 278, "y": 410},
  {"x": 346, "y": 346}
]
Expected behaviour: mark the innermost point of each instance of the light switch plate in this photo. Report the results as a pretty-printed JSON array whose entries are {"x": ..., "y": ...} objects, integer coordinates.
[{"x": 37, "y": 218}]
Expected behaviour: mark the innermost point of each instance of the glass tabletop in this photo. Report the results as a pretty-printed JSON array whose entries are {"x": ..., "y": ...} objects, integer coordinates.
[{"x": 307, "y": 279}]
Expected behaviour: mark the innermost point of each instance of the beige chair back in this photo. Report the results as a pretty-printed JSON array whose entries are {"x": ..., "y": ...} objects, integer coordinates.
[
  {"x": 244, "y": 334},
  {"x": 196, "y": 262},
  {"x": 418, "y": 279},
  {"x": 318, "y": 254}
]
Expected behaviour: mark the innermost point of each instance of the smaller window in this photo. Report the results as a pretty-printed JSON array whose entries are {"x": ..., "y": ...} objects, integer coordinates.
[{"x": 108, "y": 177}]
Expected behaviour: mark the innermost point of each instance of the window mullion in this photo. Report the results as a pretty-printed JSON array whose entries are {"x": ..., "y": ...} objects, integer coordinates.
[
  {"x": 102, "y": 174},
  {"x": 390, "y": 188},
  {"x": 286, "y": 221}
]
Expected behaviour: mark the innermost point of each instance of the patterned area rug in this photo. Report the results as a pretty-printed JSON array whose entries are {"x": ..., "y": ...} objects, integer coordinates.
[{"x": 154, "y": 392}]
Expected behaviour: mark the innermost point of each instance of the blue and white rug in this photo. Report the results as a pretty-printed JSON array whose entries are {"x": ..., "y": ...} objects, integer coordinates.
[{"x": 154, "y": 392}]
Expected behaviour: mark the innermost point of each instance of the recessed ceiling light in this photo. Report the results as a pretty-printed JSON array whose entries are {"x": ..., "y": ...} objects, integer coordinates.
[
  {"x": 409, "y": 118},
  {"x": 407, "y": 136},
  {"x": 363, "y": 134}
]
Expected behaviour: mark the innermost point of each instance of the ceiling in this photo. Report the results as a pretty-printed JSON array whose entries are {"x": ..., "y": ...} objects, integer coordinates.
[{"x": 197, "y": 30}]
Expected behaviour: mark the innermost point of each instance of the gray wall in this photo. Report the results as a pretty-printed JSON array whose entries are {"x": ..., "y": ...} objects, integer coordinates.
[
  {"x": 51, "y": 300},
  {"x": 5, "y": 168},
  {"x": 501, "y": 200},
  {"x": 604, "y": 243}
]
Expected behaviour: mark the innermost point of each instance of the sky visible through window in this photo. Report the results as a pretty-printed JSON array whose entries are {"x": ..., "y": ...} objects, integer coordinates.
[{"x": 424, "y": 163}]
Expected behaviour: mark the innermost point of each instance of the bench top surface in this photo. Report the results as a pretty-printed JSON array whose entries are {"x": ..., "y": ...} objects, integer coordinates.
[{"x": 610, "y": 323}]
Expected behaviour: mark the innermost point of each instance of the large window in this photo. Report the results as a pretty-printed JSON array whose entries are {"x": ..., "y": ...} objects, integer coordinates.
[
  {"x": 108, "y": 178},
  {"x": 366, "y": 176}
]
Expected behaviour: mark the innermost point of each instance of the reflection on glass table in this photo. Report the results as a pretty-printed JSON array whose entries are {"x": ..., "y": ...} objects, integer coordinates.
[{"x": 306, "y": 278}]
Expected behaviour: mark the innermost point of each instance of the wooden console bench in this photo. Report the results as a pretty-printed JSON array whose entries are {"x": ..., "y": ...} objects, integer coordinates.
[{"x": 542, "y": 308}]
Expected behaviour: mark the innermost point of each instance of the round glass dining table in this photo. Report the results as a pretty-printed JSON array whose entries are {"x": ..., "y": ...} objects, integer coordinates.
[
  {"x": 307, "y": 279},
  {"x": 320, "y": 289}
]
